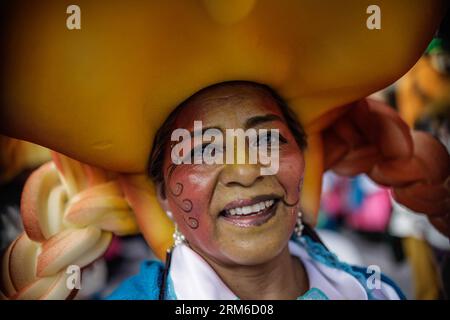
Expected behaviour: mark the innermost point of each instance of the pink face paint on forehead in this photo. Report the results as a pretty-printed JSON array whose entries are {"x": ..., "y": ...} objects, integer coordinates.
[{"x": 201, "y": 109}]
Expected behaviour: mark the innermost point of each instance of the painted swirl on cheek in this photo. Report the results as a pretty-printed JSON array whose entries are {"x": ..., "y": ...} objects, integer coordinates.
[
  {"x": 297, "y": 198},
  {"x": 290, "y": 176},
  {"x": 192, "y": 222},
  {"x": 184, "y": 204},
  {"x": 294, "y": 206}
]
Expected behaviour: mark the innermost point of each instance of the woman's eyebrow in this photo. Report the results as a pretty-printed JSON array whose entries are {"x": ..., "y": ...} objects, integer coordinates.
[
  {"x": 254, "y": 121},
  {"x": 250, "y": 122},
  {"x": 204, "y": 129}
]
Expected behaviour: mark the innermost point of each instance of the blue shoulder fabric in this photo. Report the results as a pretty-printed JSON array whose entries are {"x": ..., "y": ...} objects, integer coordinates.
[
  {"x": 143, "y": 286},
  {"x": 313, "y": 294},
  {"x": 385, "y": 279},
  {"x": 321, "y": 254}
]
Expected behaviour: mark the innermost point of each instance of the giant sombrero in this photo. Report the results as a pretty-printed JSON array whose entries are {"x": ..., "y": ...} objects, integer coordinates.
[{"x": 99, "y": 94}]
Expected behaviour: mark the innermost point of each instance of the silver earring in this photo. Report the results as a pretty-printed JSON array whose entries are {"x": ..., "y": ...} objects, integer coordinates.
[
  {"x": 299, "y": 225},
  {"x": 178, "y": 237}
]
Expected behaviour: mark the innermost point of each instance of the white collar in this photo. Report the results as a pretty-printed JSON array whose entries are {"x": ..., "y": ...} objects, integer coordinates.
[{"x": 193, "y": 278}]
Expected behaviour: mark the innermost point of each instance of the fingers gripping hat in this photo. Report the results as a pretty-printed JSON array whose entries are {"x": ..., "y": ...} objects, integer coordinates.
[{"x": 99, "y": 94}]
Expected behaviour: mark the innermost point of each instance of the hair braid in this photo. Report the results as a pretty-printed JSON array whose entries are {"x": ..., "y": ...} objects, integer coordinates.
[{"x": 70, "y": 211}]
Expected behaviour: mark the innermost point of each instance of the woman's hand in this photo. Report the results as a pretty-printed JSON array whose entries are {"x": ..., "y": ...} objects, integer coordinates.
[{"x": 371, "y": 138}]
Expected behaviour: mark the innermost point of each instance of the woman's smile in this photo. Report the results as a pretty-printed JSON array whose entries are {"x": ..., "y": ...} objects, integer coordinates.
[{"x": 250, "y": 212}]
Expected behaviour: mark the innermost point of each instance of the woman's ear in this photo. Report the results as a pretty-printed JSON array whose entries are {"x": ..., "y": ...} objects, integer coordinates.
[{"x": 161, "y": 196}]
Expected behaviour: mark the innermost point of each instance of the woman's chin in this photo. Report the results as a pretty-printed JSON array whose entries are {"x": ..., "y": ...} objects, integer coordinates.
[
  {"x": 250, "y": 240},
  {"x": 255, "y": 248},
  {"x": 255, "y": 253}
]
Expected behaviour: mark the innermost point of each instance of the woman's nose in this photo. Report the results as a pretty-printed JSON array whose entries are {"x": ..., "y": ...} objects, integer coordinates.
[{"x": 240, "y": 174}]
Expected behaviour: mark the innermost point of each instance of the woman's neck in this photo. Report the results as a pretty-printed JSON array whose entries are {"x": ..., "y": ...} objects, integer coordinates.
[{"x": 284, "y": 277}]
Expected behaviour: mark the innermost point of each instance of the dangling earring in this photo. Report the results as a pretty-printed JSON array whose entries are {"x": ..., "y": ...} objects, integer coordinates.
[
  {"x": 178, "y": 237},
  {"x": 299, "y": 225}
]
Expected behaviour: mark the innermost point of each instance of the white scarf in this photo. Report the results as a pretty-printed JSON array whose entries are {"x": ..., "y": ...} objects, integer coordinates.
[{"x": 194, "y": 279}]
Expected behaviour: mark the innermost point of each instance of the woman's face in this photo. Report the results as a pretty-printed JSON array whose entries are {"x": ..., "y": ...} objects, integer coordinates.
[{"x": 205, "y": 199}]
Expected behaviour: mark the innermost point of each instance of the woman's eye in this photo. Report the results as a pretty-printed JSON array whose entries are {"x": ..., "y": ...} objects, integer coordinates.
[
  {"x": 197, "y": 150},
  {"x": 269, "y": 139},
  {"x": 200, "y": 149}
]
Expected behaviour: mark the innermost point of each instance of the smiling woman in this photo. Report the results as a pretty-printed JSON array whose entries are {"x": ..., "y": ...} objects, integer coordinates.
[
  {"x": 212, "y": 191},
  {"x": 235, "y": 224},
  {"x": 97, "y": 97}
]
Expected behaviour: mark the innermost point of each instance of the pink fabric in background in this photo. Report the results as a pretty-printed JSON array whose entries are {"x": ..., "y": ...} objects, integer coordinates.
[{"x": 374, "y": 213}]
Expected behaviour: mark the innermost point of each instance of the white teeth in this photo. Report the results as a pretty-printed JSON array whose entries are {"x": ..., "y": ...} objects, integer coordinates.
[{"x": 250, "y": 209}]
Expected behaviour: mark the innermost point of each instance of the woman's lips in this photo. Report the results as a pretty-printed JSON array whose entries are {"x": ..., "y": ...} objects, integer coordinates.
[
  {"x": 250, "y": 202},
  {"x": 254, "y": 213}
]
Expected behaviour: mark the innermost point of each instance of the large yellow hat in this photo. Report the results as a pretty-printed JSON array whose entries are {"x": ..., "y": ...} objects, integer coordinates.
[{"x": 98, "y": 94}]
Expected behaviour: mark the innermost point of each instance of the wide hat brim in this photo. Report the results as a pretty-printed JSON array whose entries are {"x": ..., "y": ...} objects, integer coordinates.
[{"x": 100, "y": 93}]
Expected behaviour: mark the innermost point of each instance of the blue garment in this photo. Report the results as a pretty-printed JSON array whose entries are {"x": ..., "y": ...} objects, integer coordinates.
[
  {"x": 143, "y": 286},
  {"x": 319, "y": 253},
  {"x": 146, "y": 285}
]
